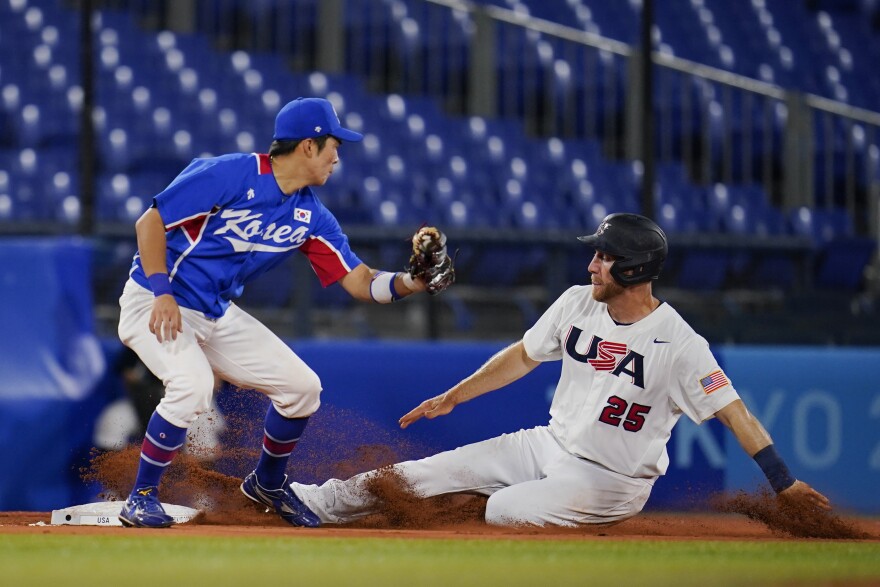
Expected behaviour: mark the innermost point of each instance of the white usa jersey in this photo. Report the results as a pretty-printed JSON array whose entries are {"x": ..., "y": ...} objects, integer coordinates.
[{"x": 623, "y": 387}]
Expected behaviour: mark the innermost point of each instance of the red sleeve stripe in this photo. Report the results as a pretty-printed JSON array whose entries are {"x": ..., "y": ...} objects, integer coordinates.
[
  {"x": 193, "y": 228},
  {"x": 326, "y": 260},
  {"x": 186, "y": 220},
  {"x": 264, "y": 165},
  {"x": 194, "y": 239}
]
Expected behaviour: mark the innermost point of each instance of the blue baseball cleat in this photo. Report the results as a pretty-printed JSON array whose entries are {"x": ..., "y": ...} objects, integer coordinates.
[
  {"x": 143, "y": 509},
  {"x": 282, "y": 500}
]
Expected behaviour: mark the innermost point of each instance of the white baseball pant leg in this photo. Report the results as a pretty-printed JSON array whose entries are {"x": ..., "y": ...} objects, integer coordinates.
[
  {"x": 239, "y": 348},
  {"x": 529, "y": 477}
]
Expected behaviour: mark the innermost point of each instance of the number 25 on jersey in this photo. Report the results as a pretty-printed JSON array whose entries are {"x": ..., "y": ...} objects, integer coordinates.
[{"x": 613, "y": 414}]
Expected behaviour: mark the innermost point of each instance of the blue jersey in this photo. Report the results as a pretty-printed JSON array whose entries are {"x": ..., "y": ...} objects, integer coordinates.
[{"x": 227, "y": 222}]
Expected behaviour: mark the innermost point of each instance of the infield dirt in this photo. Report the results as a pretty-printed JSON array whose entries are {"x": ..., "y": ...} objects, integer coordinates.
[{"x": 226, "y": 512}]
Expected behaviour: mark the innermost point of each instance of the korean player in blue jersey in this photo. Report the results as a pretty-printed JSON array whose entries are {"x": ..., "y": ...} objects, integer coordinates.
[{"x": 222, "y": 222}]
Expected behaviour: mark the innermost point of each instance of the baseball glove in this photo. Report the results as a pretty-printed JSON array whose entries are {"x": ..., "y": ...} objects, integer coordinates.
[{"x": 430, "y": 261}]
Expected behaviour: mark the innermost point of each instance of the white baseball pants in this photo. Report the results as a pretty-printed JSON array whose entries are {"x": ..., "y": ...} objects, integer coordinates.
[
  {"x": 237, "y": 347},
  {"x": 529, "y": 477}
]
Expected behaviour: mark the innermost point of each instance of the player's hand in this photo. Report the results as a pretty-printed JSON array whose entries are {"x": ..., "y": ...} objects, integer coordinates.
[
  {"x": 418, "y": 285},
  {"x": 165, "y": 319},
  {"x": 430, "y": 408},
  {"x": 802, "y": 495}
]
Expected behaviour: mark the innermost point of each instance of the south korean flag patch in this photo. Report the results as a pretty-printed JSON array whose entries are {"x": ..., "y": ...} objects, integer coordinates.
[{"x": 302, "y": 215}]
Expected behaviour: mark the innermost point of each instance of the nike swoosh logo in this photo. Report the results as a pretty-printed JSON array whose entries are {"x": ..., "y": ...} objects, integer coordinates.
[{"x": 657, "y": 341}]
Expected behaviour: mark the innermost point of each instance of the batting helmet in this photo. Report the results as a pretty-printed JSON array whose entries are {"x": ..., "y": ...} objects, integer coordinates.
[{"x": 637, "y": 242}]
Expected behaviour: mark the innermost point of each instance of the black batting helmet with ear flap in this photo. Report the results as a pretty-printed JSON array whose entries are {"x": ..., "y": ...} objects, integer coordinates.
[{"x": 637, "y": 242}]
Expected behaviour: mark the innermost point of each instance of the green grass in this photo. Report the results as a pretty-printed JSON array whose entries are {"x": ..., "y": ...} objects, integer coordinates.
[{"x": 155, "y": 560}]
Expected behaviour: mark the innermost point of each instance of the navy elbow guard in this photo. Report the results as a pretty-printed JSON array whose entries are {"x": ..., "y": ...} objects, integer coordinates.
[{"x": 774, "y": 468}]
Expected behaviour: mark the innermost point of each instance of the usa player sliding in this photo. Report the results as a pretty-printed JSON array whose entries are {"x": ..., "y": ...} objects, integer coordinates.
[
  {"x": 221, "y": 222},
  {"x": 631, "y": 366}
]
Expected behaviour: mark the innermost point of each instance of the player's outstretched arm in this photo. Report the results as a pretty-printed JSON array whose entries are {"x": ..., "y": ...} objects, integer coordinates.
[
  {"x": 165, "y": 318},
  {"x": 430, "y": 269},
  {"x": 370, "y": 285},
  {"x": 757, "y": 443},
  {"x": 505, "y": 367}
]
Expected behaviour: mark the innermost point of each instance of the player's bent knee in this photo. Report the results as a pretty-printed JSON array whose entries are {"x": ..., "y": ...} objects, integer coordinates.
[
  {"x": 186, "y": 398},
  {"x": 501, "y": 511},
  {"x": 313, "y": 384},
  {"x": 303, "y": 407},
  {"x": 304, "y": 400},
  {"x": 299, "y": 380},
  {"x": 508, "y": 508}
]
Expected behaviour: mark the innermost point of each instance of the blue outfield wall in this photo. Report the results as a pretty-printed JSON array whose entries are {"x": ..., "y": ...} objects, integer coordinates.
[{"x": 822, "y": 405}]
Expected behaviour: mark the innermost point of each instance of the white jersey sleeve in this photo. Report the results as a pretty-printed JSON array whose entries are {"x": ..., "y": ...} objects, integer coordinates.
[
  {"x": 543, "y": 341},
  {"x": 702, "y": 386}
]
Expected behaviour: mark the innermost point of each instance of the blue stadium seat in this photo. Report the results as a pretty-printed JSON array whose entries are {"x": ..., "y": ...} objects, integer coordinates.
[
  {"x": 769, "y": 221},
  {"x": 842, "y": 262},
  {"x": 458, "y": 214},
  {"x": 498, "y": 266},
  {"x": 821, "y": 225},
  {"x": 774, "y": 270},
  {"x": 677, "y": 220},
  {"x": 703, "y": 270}
]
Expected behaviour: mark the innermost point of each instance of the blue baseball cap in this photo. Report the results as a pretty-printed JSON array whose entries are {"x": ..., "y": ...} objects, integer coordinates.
[{"x": 307, "y": 118}]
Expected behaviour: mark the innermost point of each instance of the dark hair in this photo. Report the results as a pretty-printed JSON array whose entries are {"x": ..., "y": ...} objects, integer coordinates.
[{"x": 283, "y": 147}]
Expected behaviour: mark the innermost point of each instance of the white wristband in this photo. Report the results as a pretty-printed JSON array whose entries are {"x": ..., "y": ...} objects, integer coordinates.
[
  {"x": 408, "y": 281},
  {"x": 382, "y": 288}
]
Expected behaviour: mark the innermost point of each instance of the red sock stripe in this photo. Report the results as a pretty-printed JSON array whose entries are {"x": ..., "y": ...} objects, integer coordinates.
[
  {"x": 275, "y": 448},
  {"x": 157, "y": 454}
]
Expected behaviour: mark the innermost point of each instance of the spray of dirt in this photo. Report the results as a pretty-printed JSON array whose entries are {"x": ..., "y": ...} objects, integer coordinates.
[
  {"x": 398, "y": 506},
  {"x": 189, "y": 481},
  {"x": 786, "y": 519},
  {"x": 334, "y": 446}
]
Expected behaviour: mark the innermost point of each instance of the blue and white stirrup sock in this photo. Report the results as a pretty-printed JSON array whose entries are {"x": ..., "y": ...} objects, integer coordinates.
[
  {"x": 162, "y": 442},
  {"x": 279, "y": 437}
]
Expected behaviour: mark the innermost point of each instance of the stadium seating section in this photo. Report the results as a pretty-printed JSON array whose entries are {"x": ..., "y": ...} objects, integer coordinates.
[{"x": 165, "y": 98}]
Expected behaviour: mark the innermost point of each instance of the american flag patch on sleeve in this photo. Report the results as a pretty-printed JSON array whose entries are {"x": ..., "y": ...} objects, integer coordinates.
[{"x": 714, "y": 380}]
